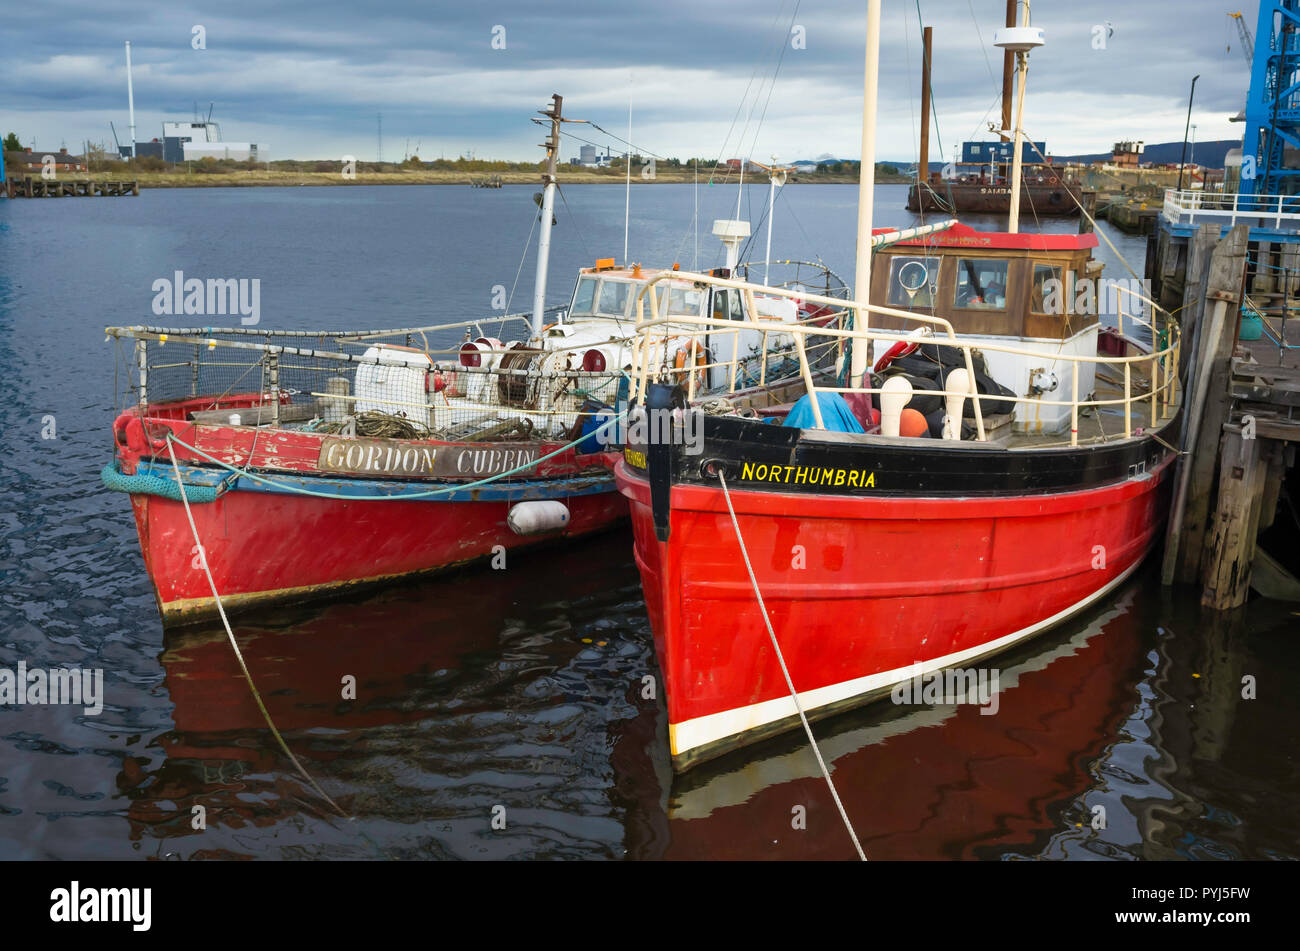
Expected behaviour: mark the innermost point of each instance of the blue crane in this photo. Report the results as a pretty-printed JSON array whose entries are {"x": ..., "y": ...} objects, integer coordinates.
[{"x": 1272, "y": 138}]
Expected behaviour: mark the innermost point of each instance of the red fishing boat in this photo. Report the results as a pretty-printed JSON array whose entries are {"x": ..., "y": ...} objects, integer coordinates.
[
  {"x": 994, "y": 476},
  {"x": 270, "y": 465}
]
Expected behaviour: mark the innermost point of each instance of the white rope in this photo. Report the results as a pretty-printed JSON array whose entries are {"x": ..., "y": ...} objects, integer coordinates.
[
  {"x": 203, "y": 557},
  {"x": 785, "y": 671}
]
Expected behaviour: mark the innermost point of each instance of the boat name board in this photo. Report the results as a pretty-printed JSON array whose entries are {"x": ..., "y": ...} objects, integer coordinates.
[
  {"x": 397, "y": 457},
  {"x": 808, "y": 475}
]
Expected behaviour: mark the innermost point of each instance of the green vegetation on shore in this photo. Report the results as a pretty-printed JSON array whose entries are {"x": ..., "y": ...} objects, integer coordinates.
[{"x": 153, "y": 172}]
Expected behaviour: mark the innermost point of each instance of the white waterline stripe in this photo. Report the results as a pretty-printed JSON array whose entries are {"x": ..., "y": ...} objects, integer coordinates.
[{"x": 690, "y": 734}]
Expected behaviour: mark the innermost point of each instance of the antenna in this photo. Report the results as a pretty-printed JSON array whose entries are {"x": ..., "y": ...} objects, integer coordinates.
[
  {"x": 627, "y": 196},
  {"x": 379, "y": 137}
]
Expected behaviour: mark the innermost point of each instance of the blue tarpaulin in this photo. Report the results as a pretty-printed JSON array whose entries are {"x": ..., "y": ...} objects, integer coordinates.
[{"x": 835, "y": 414}]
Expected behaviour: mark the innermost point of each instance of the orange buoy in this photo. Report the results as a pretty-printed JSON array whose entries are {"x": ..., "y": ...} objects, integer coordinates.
[{"x": 912, "y": 423}]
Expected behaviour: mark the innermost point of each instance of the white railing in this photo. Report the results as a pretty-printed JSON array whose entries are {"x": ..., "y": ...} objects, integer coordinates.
[
  {"x": 659, "y": 339},
  {"x": 1194, "y": 206}
]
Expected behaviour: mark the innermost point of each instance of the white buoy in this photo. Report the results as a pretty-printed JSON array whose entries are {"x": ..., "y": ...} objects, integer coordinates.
[
  {"x": 957, "y": 385},
  {"x": 895, "y": 393},
  {"x": 534, "y": 518}
]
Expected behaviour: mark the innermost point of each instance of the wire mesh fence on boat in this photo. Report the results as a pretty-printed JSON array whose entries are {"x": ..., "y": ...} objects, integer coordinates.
[{"x": 398, "y": 384}]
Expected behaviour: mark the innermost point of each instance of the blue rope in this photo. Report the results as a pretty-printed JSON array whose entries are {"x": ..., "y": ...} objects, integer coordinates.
[
  {"x": 154, "y": 485},
  {"x": 168, "y": 487}
]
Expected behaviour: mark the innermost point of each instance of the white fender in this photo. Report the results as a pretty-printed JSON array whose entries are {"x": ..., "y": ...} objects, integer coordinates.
[
  {"x": 534, "y": 518},
  {"x": 895, "y": 393},
  {"x": 957, "y": 385}
]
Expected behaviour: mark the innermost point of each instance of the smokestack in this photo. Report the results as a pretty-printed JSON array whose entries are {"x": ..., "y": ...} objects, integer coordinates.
[{"x": 130, "y": 97}]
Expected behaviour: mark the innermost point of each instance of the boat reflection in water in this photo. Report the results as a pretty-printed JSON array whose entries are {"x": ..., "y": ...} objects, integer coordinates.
[
  {"x": 1122, "y": 709},
  {"x": 486, "y": 689},
  {"x": 480, "y": 689}
]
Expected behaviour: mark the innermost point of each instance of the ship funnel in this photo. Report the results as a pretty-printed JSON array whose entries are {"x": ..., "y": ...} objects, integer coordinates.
[{"x": 733, "y": 234}]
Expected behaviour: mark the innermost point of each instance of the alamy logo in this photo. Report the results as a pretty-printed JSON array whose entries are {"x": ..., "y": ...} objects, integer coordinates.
[
  {"x": 217, "y": 295},
  {"x": 642, "y": 427},
  {"x": 75, "y": 904},
  {"x": 954, "y": 685},
  {"x": 57, "y": 686}
]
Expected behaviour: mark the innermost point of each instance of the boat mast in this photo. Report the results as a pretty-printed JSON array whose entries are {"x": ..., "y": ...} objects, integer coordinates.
[
  {"x": 776, "y": 176},
  {"x": 552, "y": 146},
  {"x": 1019, "y": 40},
  {"x": 923, "y": 164},
  {"x": 627, "y": 188},
  {"x": 1008, "y": 68},
  {"x": 866, "y": 188}
]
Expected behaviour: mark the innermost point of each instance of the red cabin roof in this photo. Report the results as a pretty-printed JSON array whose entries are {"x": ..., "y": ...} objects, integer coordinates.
[{"x": 964, "y": 236}]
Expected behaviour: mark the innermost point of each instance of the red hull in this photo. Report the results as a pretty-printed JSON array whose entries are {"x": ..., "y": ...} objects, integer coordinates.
[
  {"x": 859, "y": 590},
  {"x": 265, "y": 547},
  {"x": 279, "y": 543}
]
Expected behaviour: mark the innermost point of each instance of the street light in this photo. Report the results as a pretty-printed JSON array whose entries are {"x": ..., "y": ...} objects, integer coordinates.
[{"x": 1186, "y": 131}]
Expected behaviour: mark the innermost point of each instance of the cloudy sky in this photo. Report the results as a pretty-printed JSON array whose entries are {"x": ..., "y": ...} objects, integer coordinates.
[{"x": 307, "y": 79}]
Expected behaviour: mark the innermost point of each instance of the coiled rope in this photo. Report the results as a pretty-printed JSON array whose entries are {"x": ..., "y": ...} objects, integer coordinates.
[{"x": 785, "y": 671}]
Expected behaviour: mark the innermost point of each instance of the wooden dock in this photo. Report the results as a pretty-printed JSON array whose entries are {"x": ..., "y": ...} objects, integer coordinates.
[
  {"x": 30, "y": 187},
  {"x": 1242, "y": 419}
]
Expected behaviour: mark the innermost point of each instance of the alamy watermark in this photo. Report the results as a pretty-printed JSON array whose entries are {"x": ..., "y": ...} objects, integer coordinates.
[
  {"x": 217, "y": 295},
  {"x": 1093, "y": 298},
  {"x": 56, "y": 686},
  {"x": 952, "y": 685},
  {"x": 80, "y": 904},
  {"x": 654, "y": 427}
]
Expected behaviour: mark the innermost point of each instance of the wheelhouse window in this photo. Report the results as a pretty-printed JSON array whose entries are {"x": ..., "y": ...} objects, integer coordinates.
[
  {"x": 680, "y": 301},
  {"x": 613, "y": 298},
  {"x": 1047, "y": 293},
  {"x": 737, "y": 305},
  {"x": 913, "y": 282},
  {"x": 583, "y": 298},
  {"x": 981, "y": 284},
  {"x": 720, "y": 309}
]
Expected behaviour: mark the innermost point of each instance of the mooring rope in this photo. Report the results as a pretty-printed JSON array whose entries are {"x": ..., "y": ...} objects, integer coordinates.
[
  {"x": 785, "y": 671},
  {"x": 257, "y": 697}
]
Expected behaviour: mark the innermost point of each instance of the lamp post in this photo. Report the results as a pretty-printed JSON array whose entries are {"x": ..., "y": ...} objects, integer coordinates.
[{"x": 1186, "y": 131}]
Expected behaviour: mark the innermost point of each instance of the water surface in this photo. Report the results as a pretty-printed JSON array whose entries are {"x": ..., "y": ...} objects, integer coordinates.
[{"x": 524, "y": 688}]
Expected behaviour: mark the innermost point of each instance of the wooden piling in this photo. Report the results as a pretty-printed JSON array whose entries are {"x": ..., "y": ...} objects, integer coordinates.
[
  {"x": 1231, "y": 548},
  {"x": 31, "y": 187},
  {"x": 1207, "y": 408}
]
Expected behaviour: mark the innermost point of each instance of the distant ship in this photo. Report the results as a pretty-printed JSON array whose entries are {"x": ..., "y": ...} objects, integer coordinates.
[
  {"x": 980, "y": 183},
  {"x": 983, "y": 187}
]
